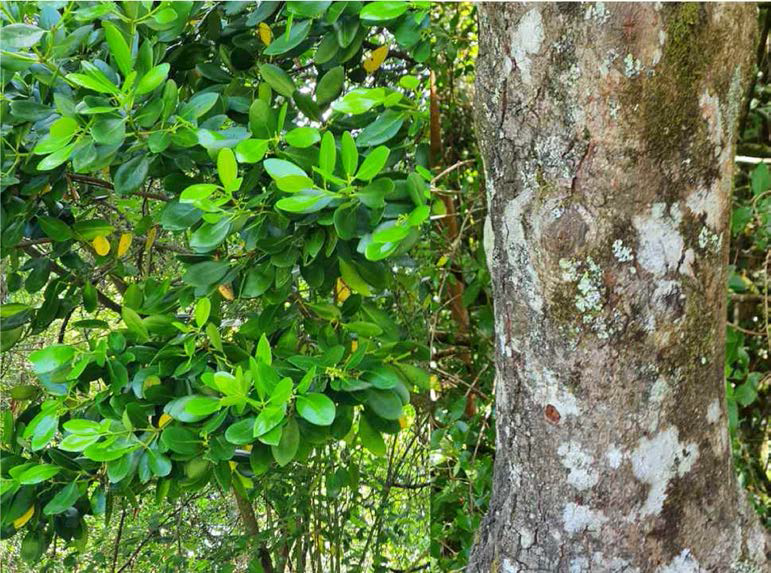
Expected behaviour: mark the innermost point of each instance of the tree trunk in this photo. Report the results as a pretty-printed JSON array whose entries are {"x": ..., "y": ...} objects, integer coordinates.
[{"x": 608, "y": 134}]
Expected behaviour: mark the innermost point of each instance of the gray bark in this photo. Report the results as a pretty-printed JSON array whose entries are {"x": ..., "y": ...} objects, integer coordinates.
[{"x": 608, "y": 134}]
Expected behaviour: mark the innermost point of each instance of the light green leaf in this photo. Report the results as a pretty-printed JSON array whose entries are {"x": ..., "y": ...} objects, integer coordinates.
[
  {"x": 316, "y": 408},
  {"x": 121, "y": 54},
  {"x": 202, "y": 310},
  {"x": 227, "y": 170},
  {"x": 286, "y": 449},
  {"x": 134, "y": 323},
  {"x": 373, "y": 163},
  {"x": 152, "y": 79},
  {"x": 303, "y": 137}
]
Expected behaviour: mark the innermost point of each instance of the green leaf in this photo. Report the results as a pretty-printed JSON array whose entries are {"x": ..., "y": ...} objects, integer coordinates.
[
  {"x": 277, "y": 79},
  {"x": 286, "y": 449},
  {"x": 385, "y": 403},
  {"x": 262, "y": 121},
  {"x": 51, "y": 359},
  {"x": 241, "y": 432},
  {"x": 328, "y": 153},
  {"x": 37, "y": 474},
  {"x": 121, "y": 54},
  {"x": 227, "y": 170},
  {"x": 178, "y": 410},
  {"x": 282, "y": 392},
  {"x": 380, "y": 11},
  {"x": 198, "y": 105},
  {"x": 382, "y": 129},
  {"x": 210, "y": 235},
  {"x": 56, "y": 158},
  {"x": 152, "y": 79},
  {"x": 316, "y": 408},
  {"x": 56, "y": 229},
  {"x": 263, "y": 351},
  {"x": 91, "y": 229},
  {"x": 303, "y": 137},
  {"x": 202, "y": 310},
  {"x": 371, "y": 438},
  {"x": 284, "y": 43},
  {"x": 349, "y": 154},
  {"x": 177, "y": 216},
  {"x": 353, "y": 279},
  {"x": 181, "y": 440},
  {"x": 330, "y": 85},
  {"x": 63, "y": 500},
  {"x": 373, "y": 163},
  {"x": 268, "y": 419},
  {"x": 109, "y": 130},
  {"x": 159, "y": 464},
  {"x": 383, "y": 378},
  {"x": 205, "y": 274},
  {"x": 202, "y": 405},
  {"x": 134, "y": 323},
  {"x": 130, "y": 176},
  {"x": 307, "y": 201},
  {"x": 251, "y": 150},
  {"x": 20, "y": 36},
  {"x": 359, "y": 100},
  {"x": 195, "y": 194}
]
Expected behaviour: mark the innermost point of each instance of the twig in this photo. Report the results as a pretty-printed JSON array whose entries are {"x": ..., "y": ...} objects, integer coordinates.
[{"x": 117, "y": 539}]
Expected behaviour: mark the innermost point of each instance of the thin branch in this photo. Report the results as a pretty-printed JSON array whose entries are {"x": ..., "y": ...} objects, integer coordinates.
[
  {"x": 117, "y": 540},
  {"x": 103, "y": 298}
]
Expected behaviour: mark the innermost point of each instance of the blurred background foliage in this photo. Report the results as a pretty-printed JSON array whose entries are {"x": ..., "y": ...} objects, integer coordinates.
[{"x": 463, "y": 438}]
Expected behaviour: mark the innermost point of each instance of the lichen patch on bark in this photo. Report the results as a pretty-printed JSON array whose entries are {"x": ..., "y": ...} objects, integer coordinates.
[
  {"x": 526, "y": 40},
  {"x": 579, "y": 518},
  {"x": 659, "y": 460}
]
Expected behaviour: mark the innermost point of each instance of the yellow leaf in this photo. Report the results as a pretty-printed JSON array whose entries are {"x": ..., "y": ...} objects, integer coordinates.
[
  {"x": 164, "y": 420},
  {"x": 151, "y": 381},
  {"x": 376, "y": 59},
  {"x": 101, "y": 245},
  {"x": 354, "y": 345},
  {"x": 266, "y": 34},
  {"x": 226, "y": 292},
  {"x": 151, "y": 234},
  {"x": 248, "y": 447},
  {"x": 233, "y": 465},
  {"x": 124, "y": 243},
  {"x": 342, "y": 292},
  {"x": 403, "y": 423},
  {"x": 19, "y": 523}
]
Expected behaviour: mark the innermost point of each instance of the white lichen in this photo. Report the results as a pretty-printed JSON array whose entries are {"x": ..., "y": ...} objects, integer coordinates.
[
  {"x": 580, "y": 518},
  {"x": 632, "y": 66},
  {"x": 525, "y": 40},
  {"x": 659, "y": 239},
  {"x": 683, "y": 563},
  {"x": 622, "y": 253},
  {"x": 597, "y": 12},
  {"x": 488, "y": 242},
  {"x": 518, "y": 251},
  {"x": 709, "y": 240},
  {"x": 713, "y": 411},
  {"x": 614, "y": 456},
  {"x": 659, "y": 460},
  {"x": 580, "y": 464},
  {"x": 547, "y": 389}
]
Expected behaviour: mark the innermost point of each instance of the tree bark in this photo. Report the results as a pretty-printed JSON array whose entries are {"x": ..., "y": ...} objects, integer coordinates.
[{"x": 608, "y": 134}]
